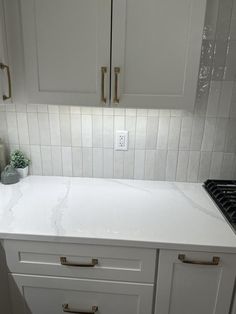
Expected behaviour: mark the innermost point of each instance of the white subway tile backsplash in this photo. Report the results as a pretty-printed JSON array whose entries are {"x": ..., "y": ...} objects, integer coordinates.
[
  {"x": 193, "y": 166},
  {"x": 23, "y": 132},
  {"x": 97, "y": 131},
  {"x": 171, "y": 146},
  {"x": 119, "y": 123},
  {"x": 182, "y": 166},
  {"x": 214, "y": 98},
  {"x": 209, "y": 134},
  {"x": 33, "y": 125},
  {"x": 108, "y": 131},
  {"x": 160, "y": 165},
  {"x": 12, "y": 128},
  {"x": 3, "y": 127},
  {"x": 76, "y": 129},
  {"x": 171, "y": 165},
  {"x": 66, "y": 161},
  {"x": 152, "y": 128},
  {"x": 56, "y": 160},
  {"x": 129, "y": 164},
  {"x": 197, "y": 133},
  {"x": 65, "y": 126},
  {"x": 205, "y": 166},
  {"x": 185, "y": 133},
  {"x": 98, "y": 162},
  {"x": 77, "y": 160},
  {"x": 130, "y": 126},
  {"x": 36, "y": 161},
  {"x": 216, "y": 164},
  {"x": 44, "y": 129},
  {"x": 227, "y": 166},
  {"x": 32, "y": 108},
  {"x": 149, "y": 172},
  {"x": 87, "y": 154},
  {"x": 108, "y": 163},
  {"x": 131, "y": 112},
  {"x": 53, "y": 109},
  {"x": 163, "y": 132},
  {"x": 220, "y": 135},
  {"x": 55, "y": 130},
  {"x": 230, "y": 143},
  {"x": 141, "y": 132},
  {"x": 64, "y": 109},
  {"x": 174, "y": 133},
  {"x": 225, "y": 99},
  {"x": 118, "y": 164},
  {"x": 21, "y": 108},
  {"x": 87, "y": 133},
  {"x": 46, "y": 156},
  {"x": 139, "y": 161},
  {"x": 42, "y": 108}
]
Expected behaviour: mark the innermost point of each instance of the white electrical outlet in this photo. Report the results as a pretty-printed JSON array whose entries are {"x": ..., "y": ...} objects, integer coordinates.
[{"x": 122, "y": 139}]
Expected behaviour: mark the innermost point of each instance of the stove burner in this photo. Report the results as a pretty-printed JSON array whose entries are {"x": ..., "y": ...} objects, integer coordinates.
[{"x": 223, "y": 193}]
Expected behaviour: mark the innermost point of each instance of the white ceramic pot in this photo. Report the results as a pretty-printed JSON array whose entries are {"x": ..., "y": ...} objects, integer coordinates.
[{"x": 23, "y": 172}]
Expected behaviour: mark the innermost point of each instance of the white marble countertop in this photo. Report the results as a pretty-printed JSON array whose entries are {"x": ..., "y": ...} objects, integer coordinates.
[{"x": 104, "y": 211}]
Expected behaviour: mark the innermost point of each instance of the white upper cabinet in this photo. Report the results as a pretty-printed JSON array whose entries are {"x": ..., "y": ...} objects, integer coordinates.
[
  {"x": 156, "y": 46},
  {"x": 66, "y": 44}
]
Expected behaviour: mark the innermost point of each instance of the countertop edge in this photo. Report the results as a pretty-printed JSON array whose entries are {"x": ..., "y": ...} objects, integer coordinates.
[{"x": 118, "y": 243}]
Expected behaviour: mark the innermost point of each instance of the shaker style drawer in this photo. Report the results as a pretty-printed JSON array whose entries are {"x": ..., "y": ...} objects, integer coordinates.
[
  {"x": 81, "y": 261},
  {"x": 50, "y": 295}
]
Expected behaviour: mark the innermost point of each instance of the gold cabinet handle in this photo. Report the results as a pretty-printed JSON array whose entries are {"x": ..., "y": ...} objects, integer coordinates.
[
  {"x": 103, "y": 76},
  {"x": 6, "y": 67},
  {"x": 67, "y": 309},
  {"x": 116, "y": 97},
  {"x": 64, "y": 262},
  {"x": 215, "y": 261}
]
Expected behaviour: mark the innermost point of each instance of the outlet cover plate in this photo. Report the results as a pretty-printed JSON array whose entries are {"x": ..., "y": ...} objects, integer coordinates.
[{"x": 121, "y": 140}]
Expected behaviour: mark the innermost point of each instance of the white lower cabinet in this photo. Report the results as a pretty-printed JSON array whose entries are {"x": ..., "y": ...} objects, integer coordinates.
[
  {"x": 195, "y": 282},
  {"x": 54, "y": 295}
]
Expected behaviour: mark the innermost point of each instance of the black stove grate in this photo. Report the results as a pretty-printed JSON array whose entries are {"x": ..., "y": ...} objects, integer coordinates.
[{"x": 223, "y": 192}]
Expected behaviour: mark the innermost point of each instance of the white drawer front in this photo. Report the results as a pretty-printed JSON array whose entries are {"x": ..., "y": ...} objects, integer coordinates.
[
  {"x": 47, "y": 295},
  {"x": 111, "y": 263}
]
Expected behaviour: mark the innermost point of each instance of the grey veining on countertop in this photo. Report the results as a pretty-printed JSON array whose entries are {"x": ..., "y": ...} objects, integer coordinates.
[{"x": 153, "y": 214}]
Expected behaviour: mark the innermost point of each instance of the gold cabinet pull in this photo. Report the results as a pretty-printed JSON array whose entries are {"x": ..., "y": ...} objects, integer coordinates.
[
  {"x": 64, "y": 262},
  {"x": 215, "y": 261},
  {"x": 103, "y": 76},
  {"x": 67, "y": 309},
  {"x": 116, "y": 97},
  {"x": 6, "y": 67}
]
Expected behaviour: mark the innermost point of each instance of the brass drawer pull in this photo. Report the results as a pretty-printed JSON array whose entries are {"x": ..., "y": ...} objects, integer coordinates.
[
  {"x": 103, "y": 72},
  {"x": 66, "y": 309},
  {"x": 215, "y": 261},
  {"x": 3, "y": 67},
  {"x": 116, "y": 97},
  {"x": 64, "y": 262}
]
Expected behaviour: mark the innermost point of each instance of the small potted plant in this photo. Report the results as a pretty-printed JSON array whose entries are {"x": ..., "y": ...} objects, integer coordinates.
[{"x": 20, "y": 162}]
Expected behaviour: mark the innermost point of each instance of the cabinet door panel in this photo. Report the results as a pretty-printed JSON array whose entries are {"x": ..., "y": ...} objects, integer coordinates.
[
  {"x": 47, "y": 295},
  {"x": 66, "y": 42},
  {"x": 156, "y": 43},
  {"x": 184, "y": 288}
]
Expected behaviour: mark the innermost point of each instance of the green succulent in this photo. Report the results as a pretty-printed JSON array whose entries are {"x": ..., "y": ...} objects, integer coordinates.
[{"x": 19, "y": 160}]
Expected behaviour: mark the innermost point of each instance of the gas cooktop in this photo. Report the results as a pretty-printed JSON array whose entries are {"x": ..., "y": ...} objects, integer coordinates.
[{"x": 223, "y": 193}]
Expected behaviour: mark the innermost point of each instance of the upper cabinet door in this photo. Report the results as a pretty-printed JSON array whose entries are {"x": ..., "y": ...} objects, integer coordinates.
[
  {"x": 66, "y": 44},
  {"x": 156, "y": 52}
]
